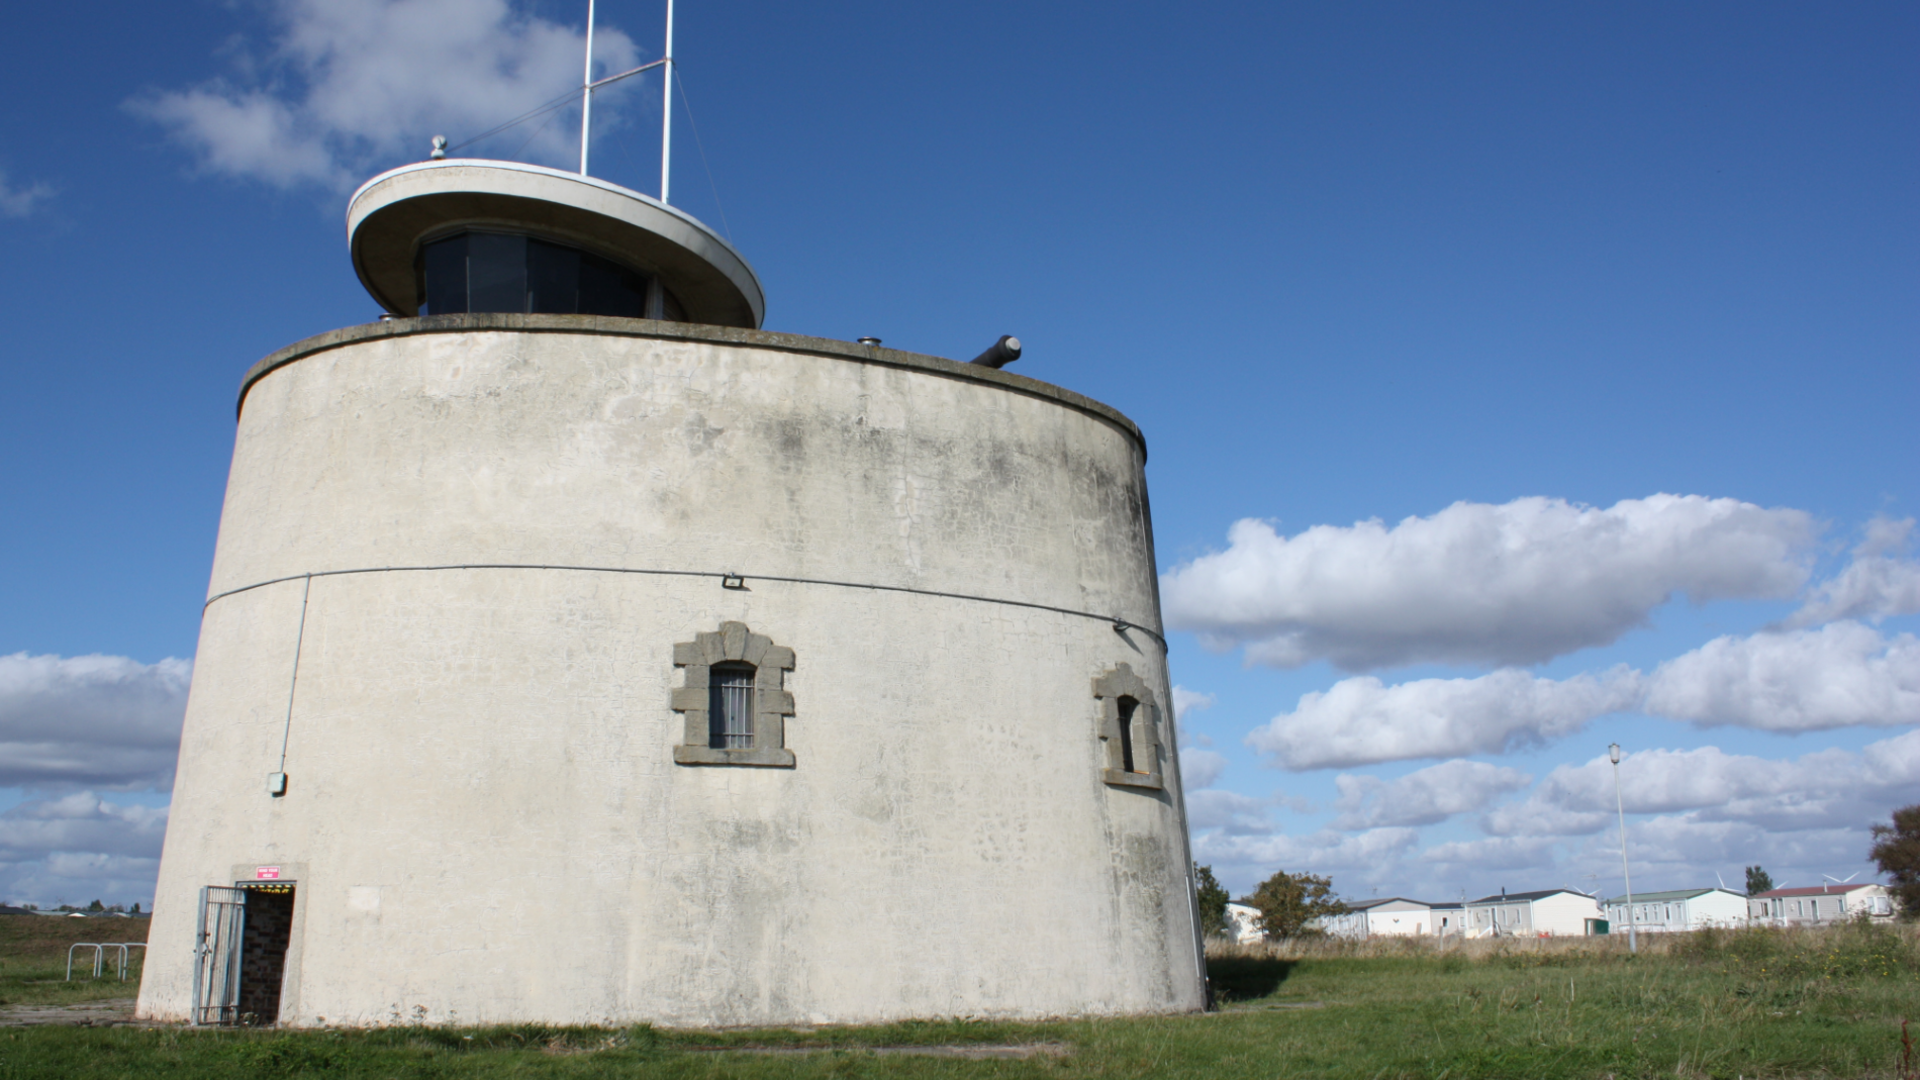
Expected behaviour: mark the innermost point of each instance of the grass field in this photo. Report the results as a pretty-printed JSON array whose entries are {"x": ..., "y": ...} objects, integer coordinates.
[
  {"x": 33, "y": 959},
  {"x": 1748, "y": 1004}
]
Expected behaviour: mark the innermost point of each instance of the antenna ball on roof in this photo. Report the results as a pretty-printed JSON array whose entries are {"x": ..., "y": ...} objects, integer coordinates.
[
  {"x": 439, "y": 147},
  {"x": 1000, "y": 353}
]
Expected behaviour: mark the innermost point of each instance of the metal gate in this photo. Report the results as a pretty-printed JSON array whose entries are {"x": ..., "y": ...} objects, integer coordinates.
[{"x": 216, "y": 969}]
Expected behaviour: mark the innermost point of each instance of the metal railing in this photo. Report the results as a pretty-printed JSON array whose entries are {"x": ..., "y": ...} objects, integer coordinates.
[{"x": 122, "y": 956}]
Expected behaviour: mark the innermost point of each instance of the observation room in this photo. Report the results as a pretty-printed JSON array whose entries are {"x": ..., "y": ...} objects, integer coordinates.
[
  {"x": 466, "y": 236},
  {"x": 475, "y": 271}
]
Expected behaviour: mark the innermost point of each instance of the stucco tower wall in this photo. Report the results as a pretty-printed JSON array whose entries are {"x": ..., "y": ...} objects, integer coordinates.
[{"x": 483, "y": 811}]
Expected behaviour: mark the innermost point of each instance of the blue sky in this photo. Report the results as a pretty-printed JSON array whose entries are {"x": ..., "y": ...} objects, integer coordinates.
[{"x": 1342, "y": 263}]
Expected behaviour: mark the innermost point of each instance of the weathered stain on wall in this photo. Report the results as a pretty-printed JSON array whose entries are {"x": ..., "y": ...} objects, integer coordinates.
[{"x": 482, "y": 790}]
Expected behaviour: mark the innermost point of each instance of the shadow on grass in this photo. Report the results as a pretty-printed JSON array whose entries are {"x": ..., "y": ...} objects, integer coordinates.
[{"x": 1244, "y": 978}]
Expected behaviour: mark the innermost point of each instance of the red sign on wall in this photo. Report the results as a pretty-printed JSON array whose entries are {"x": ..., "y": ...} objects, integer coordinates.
[{"x": 266, "y": 873}]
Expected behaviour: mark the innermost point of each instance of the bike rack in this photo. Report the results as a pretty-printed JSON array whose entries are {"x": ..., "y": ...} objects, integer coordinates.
[
  {"x": 99, "y": 953},
  {"x": 124, "y": 957}
]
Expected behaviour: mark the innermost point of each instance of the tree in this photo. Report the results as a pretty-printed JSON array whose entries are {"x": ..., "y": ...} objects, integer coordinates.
[
  {"x": 1213, "y": 902},
  {"x": 1896, "y": 850},
  {"x": 1758, "y": 881},
  {"x": 1287, "y": 902}
]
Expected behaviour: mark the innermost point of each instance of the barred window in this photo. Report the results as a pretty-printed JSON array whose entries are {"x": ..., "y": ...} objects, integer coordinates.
[
  {"x": 730, "y": 706},
  {"x": 734, "y": 698}
]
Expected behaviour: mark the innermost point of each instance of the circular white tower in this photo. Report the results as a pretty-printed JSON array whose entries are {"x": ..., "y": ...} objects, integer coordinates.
[{"x": 577, "y": 652}]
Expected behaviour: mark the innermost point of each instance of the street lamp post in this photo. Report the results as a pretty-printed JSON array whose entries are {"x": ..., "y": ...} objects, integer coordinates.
[{"x": 1613, "y": 755}]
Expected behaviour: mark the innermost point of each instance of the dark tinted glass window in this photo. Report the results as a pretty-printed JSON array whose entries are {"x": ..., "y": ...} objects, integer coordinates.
[
  {"x": 553, "y": 279},
  {"x": 496, "y": 272},
  {"x": 443, "y": 269},
  {"x": 503, "y": 272},
  {"x": 1128, "y": 707},
  {"x": 606, "y": 289}
]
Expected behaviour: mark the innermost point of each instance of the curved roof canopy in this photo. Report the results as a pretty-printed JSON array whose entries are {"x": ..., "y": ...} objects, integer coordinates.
[{"x": 394, "y": 213}]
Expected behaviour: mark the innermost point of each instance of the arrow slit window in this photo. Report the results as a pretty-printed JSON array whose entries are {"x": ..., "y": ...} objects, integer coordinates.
[{"x": 1129, "y": 729}]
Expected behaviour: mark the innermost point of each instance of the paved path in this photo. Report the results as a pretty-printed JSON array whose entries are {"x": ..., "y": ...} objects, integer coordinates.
[{"x": 79, "y": 1014}]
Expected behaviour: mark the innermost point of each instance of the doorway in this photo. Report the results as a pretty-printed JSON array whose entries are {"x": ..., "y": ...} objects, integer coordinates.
[{"x": 263, "y": 952}]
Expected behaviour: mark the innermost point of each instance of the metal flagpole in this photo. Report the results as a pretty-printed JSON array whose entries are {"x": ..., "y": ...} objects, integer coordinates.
[
  {"x": 586, "y": 92},
  {"x": 666, "y": 109}
]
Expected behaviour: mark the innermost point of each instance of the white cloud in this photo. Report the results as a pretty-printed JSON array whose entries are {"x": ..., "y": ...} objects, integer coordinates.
[
  {"x": 1230, "y": 810},
  {"x": 1494, "y": 853},
  {"x": 80, "y": 822},
  {"x": 1839, "y": 675},
  {"x": 1185, "y": 700},
  {"x": 1200, "y": 768},
  {"x": 1361, "y": 721},
  {"x": 80, "y": 848},
  {"x": 99, "y": 721},
  {"x": 1515, "y": 583},
  {"x": 1692, "y": 813},
  {"x": 352, "y": 82},
  {"x": 1876, "y": 583},
  {"x": 1320, "y": 853},
  {"x": 1424, "y": 797},
  {"x": 1827, "y": 789},
  {"x": 16, "y": 201}
]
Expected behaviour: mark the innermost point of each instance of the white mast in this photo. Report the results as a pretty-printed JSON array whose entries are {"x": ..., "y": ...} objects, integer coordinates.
[
  {"x": 666, "y": 98},
  {"x": 666, "y": 109},
  {"x": 586, "y": 92}
]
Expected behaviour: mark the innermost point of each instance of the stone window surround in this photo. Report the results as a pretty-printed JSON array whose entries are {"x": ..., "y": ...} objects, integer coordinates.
[
  {"x": 772, "y": 704},
  {"x": 1109, "y": 689}
]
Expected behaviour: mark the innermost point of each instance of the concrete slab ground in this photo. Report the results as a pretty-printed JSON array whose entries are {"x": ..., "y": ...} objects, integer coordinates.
[{"x": 112, "y": 1012}]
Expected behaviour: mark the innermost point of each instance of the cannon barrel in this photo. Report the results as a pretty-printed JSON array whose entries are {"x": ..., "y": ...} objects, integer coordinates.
[{"x": 1000, "y": 353}]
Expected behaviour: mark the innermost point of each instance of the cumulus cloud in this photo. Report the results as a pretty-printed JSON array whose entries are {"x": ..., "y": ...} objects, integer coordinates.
[
  {"x": 1839, "y": 675},
  {"x": 1200, "y": 768},
  {"x": 1493, "y": 853},
  {"x": 80, "y": 847},
  {"x": 1684, "y": 848},
  {"x": 1185, "y": 700},
  {"x": 1691, "y": 812},
  {"x": 80, "y": 822},
  {"x": 1362, "y": 721},
  {"x": 1827, "y": 789},
  {"x": 18, "y": 200},
  {"x": 350, "y": 82},
  {"x": 1476, "y": 583},
  {"x": 1877, "y": 583},
  {"x": 1424, "y": 797},
  {"x": 1229, "y": 810},
  {"x": 1324, "y": 852},
  {"x": 97, "y": 721}
]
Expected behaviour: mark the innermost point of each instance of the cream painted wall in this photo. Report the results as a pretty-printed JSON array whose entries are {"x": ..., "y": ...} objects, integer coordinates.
[{"x": 482, "y": 804}]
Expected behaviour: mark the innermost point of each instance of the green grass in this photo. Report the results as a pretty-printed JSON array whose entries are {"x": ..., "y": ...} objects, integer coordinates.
[
  {"x": 1751, "y": 1004},
  {"x": 33, "y": 959}
]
